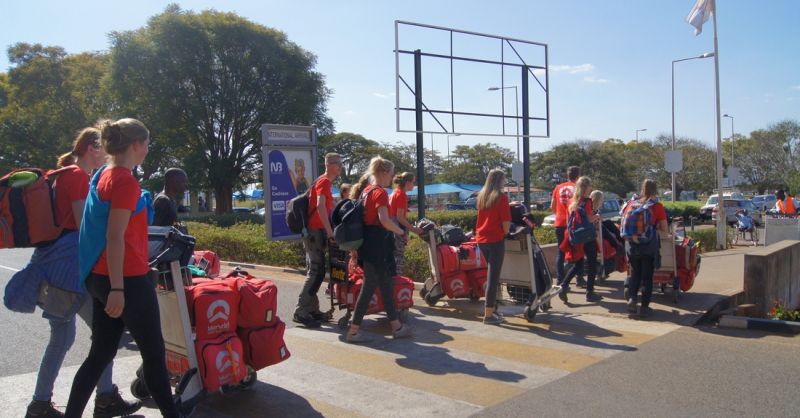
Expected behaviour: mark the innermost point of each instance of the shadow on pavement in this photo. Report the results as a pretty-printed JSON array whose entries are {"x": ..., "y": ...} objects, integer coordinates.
[{"x": 261, "y": 400}]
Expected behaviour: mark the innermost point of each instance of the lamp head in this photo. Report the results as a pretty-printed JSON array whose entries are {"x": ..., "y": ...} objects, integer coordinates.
[{"x": 707, "y": 55}]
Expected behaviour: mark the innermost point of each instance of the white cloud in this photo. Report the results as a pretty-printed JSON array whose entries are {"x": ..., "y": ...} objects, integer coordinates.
[
  {"x": 595, "y": 80},
  {"x": 572, "y": 69},
  {"x": 383, "y": 96},
  {"x": 349, "y": 112},
  {"x": 796, "y": 87}
]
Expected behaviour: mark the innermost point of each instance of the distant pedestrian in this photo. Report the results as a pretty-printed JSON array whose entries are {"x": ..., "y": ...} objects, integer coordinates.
[
  {"x": 582, "y": 254},
  {"x": 494, "y": 222},
  {"x": 561, "y": 199},
  {"x": 201, "y": 204},
  {"x": 344, "y": 191},
  {"x": 398, "y": 209},
  {"x": 321, "y": 205},
  {"x": 376, "y": 254},
  {"x": 165, "y": 204},
  {"x": 643, "y": 256}
]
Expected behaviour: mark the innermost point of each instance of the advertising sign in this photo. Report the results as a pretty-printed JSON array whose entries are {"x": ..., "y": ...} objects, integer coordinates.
[{"x": 289, "y": 155}]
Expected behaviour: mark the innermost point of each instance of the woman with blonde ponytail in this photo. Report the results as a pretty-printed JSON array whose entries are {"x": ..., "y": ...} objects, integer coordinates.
[
  {"x": 494, "y": 222},
  {"x": 575, "y": 253}
]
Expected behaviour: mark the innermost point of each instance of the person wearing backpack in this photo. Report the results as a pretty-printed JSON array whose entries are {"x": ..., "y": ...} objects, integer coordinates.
[
  {"x": 559, "y": 204},
  {"x": 113, "y": 264},
  {"x": 315, "y": 243},
  {"x": 581, "y": 211},
  {"x": 70, "y": 190},
  {"x": 376, "y": 253},
  {"x": 398, "y": 209},
  {"x": 642, "y": 221},
  {"x": 494, "y": 222}
]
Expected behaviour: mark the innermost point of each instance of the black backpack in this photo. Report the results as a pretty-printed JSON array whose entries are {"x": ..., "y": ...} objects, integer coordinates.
[
  {"x": 453, "y": 235},
  {"x": 347, "y": 221},
  {"x": 297, "y": 215}
]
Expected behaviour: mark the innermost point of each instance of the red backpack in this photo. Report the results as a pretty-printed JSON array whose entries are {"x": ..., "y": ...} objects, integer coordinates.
[
  {"x": 28, "y": 208},
  {"x": 264, "y": 346},
  {"x": 207, "y": 261},
  {"x": 221, "y": 361},
  {"x": 258, "y": 301},
  {"x": 214, "y": 307}
]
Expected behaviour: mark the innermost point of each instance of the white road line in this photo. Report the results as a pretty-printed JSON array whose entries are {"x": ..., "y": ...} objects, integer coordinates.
[{"x": 9, "y": 268}]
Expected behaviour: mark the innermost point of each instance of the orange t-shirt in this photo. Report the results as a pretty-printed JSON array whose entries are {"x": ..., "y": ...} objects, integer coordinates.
[
  {"x": 322, "y": 187},
  {"x": 71, "y": 185},
  {"x": 373, "y": 202},
  {"x": 398, "y": 200},
  {"x": 118, "y": 186},
  {"x": 562, "y": 198},
  {"x": 489, "y": 227}
]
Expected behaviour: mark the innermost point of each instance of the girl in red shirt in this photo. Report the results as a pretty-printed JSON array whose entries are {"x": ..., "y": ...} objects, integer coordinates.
[
  {"x": 642, "y": 260},
  {"x": 494, "y": 222},
  {"x": 575, "y": 254},
  {"x": 398, "y": 209},
  {"x": 376, "y": 253},
  {"x": 122, "y": 294}
]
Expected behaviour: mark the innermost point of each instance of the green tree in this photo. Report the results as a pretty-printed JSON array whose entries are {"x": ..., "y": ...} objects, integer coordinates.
[
  {"x": 471, "y": 165},
  {"x": 356, "y": 151},
  {"x": 206, "y": 82}
]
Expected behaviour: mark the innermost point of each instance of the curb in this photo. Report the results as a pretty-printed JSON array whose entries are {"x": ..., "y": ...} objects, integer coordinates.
[{"x": 741, "y": 322}]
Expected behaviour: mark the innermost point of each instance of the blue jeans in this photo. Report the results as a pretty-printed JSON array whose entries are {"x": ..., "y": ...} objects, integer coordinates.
[{"x": 62, "y": 335}]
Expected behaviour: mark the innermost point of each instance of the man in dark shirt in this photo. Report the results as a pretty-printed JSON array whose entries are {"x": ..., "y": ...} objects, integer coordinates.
[{"x": 166, "y": 208}]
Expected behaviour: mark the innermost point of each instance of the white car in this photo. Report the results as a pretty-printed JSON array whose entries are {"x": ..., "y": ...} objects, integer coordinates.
[
  {"x": 711, "y": 203},
  {"x": 610, "y": 211}
]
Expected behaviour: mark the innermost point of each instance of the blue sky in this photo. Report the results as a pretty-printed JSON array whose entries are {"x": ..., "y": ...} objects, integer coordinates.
[{"x": 610, "y": 61}]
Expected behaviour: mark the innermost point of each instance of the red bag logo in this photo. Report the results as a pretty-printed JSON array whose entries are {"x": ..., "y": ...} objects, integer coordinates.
[
  {"x": 457, "y": 285},
  {"x": 404, "y": 295},
  {"x": 224, "y": 360},
  {"x": 218, "y": 311}
]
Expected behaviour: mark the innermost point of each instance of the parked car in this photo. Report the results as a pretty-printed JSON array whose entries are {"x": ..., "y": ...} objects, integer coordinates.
[
  {"x": 764, "y": 202},
  {"x": 261, "y": 212},
  {"x": 243, "y": 210},
  {"x": 711, "y": 203},
  {"x": 609, "y": 211},
  {"x": 732, "y": 205}
]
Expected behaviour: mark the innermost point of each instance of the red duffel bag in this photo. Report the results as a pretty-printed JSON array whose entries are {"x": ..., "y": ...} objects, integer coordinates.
[
  {"x": 477, "y": 281},
  {"x": 208, "y": 261},
  {"x": 258, "y": 301},
  {"x": 213, "y": 307},
  {"x": 470, "y": 257},
  {"x": 221, "y": 361},
  {"x": 264, "y": 346},
  {"x": 447, "y": 258},
  {"x": 456, "y": 285}
]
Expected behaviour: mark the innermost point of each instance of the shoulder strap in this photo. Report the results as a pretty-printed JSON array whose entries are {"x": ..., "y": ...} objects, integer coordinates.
[{"x": 314, "y": 184}]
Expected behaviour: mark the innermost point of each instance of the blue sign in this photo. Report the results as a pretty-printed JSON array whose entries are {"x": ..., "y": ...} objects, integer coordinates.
[{"x": 282, "y": 190}]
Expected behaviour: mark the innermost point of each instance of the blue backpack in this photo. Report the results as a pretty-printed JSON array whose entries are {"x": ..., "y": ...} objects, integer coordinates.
[
  {"x": 579, "y": 229},
  {"x": 637, "y": 222}
]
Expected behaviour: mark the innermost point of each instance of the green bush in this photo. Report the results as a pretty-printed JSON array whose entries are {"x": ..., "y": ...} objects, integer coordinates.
[
  {"x": 246, "y": 242},
  {"x": 545, "y": 235},
  {"x": 707, "y": 238},
  {"x": 684, "y": 209},
  {"x": 417, "y": 264},
  {"x": 226, "y": 220}
]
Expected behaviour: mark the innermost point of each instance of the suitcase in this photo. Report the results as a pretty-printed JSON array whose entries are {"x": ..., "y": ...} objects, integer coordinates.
[
  {"x": 447, "y": 258},
  {"x": 264, "y": 346},
  {"x": 456, "y": 285},
  {"x": 258, "y": 302},
  {"x": 208, "y": 261},
  {"x": 213, "y": 307},
  {"x": 470, "y": 257},
  {"x": 221, "y": 361}
]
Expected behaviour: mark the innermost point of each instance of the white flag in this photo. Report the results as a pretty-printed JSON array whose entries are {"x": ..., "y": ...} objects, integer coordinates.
[{"x": 700, "y": 13}]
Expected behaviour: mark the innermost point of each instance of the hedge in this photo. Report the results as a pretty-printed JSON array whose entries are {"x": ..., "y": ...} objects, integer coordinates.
[{"x": 246, "y": 242}]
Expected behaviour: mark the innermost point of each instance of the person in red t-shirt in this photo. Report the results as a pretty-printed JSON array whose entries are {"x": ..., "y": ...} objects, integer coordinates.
[
  {"x": 642, "y": 260},
  {"x": 494, "y": 222},
  {"x": 376, "y": 254},
  {"x": 123, "y": 296},
  {"x": 315, "y": 243},
  {"x": 559, "y": 204},
  {"x": 578, "y": 252},
  {"x": 398, "y": 209},
  {"x": 71, "y": 188}
]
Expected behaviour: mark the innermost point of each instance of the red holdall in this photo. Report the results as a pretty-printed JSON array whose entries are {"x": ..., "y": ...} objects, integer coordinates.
[
  {"x": 448, "y": 259},
  {"x": 470, "y": 257},
  {"x": 221, "y": 361},
  {"x": 456, "y": 285},
  {"x": 213, "y": 307},
  {"x": 478, "y": 280},
  {"x": 258, "y": 302},
  {"x": 685, "y": 279},
  {"x": 403, "y": 291},
  {"x": 264, "y": 346},
  {"x": 208, "y": 261}
]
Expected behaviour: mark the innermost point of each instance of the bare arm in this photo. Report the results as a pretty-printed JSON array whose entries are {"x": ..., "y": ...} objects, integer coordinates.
[
  {"x": 77, "y": 211},
  {"x": 115, "y": 250},
  {"x": 662, "y": 226},
  {"x": 506, "y": 227},
  {"x": 387, "y": 222},
  {"x": 322, "y": 212},
  {"x": 553, "y": 203},
  {"x": 402, "y": 220}
]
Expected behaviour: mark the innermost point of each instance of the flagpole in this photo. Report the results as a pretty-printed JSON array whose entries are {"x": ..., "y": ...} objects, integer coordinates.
[{"x": 721, "y": 216}]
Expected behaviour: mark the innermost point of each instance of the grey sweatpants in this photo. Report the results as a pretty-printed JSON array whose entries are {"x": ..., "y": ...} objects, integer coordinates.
[
  {"x": 315, "y": 245},
  {"x": 494, "y": 252}
]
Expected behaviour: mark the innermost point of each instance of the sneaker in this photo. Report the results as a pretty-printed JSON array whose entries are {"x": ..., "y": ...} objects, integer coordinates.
[
  {"x": 404, "y": 331},
  {"x": 493, "y": 319},
  {"x": 563, "y": 294},
  {"x": 44, "y": 409},
  {"x": 593, "y": 297},
  {"x": 111, "y": 404},
  {"x": 645, "y": 311},
  {"x": 320, "y": 316},
  {"x": 580, "y": 282},
  {"x": 358, "y": 338},
  {"x": 306, "y": 320},
  {"x": 632, "y": 308}
]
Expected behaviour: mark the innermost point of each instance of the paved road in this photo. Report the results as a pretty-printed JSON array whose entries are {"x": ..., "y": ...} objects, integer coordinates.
[{"x": 454, "y": 367}]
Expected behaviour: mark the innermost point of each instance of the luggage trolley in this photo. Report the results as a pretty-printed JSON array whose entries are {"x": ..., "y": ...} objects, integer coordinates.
[
  {"x": 169, "y": 254},
  {"x": 677, "y": 254}
]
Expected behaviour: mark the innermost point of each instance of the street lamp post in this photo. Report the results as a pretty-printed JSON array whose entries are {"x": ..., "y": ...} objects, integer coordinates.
[
  {"x": 706, "y": 55},
  {"x": 637, "y": 133},
  {"x": 516, "y": 107},
  {"x": 448, "y": 144},
  {"x": 732, "y": 139}
]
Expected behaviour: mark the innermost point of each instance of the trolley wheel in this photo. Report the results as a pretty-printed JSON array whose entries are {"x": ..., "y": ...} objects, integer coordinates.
[
  {"x": 530, "y": 314},
  {"x": 250, "y": 379},
  {"x": 139, "y": 389},
  {"x": 545, "y": 307},
  {"x": 431, "y": 300},
  {"x": 344, "y": 321},
  {"x": 473, "y": 297},
  {"x": 422, "y": 292}
]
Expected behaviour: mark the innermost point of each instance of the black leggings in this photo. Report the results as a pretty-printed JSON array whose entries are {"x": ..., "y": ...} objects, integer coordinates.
[
  {"x": 375, "y": 275},
  {"x": 494, "y": 252},
  {"x": 141, "y": 317}
]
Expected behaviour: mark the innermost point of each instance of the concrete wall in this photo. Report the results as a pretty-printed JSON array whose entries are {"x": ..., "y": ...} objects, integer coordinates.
[{"x": 771, "y": 274}]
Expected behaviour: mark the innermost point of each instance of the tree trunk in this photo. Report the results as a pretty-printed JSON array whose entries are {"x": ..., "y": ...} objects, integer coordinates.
[{"x": 224, "y": 197}]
